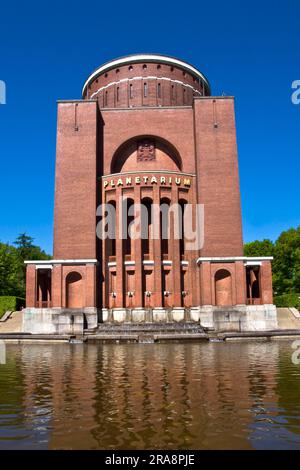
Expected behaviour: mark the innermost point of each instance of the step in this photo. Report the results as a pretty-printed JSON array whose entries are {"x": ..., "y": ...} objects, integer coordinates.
[{"x": 156, "y": 327}]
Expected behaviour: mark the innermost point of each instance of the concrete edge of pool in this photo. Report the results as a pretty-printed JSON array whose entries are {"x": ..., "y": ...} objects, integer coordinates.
[{"x": 151, "y": 338}]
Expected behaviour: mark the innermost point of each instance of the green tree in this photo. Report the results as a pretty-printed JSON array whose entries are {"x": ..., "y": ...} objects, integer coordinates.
[
  {"x": 286, "y": 264},
  {"x": 12, "y": 267},
  {"x": 259, "y": 248},
  {"x": 26, "y": 250},
  {"x": 9, "y": 267}
]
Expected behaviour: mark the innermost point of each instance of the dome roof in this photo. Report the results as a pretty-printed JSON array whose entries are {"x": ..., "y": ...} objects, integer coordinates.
[{"x": 140, "y": 58}]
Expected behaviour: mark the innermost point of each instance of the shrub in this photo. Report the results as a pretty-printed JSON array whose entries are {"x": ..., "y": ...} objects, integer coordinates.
[
  {"x": 287, "y": 300},
  {"x": 10, "y": 303}
]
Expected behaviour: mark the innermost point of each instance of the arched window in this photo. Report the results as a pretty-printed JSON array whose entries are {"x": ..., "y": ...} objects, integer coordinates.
[
  {"x": 146, "y": 224},
  {"x": 111, "y": 239},
  {"x": 159, "y": 90},
  {"x": 172, "y": 92},
  {"x": 182, "y": 204},
  {"x": 165, "y": 227},
  {"x": 127, "y": 220}
]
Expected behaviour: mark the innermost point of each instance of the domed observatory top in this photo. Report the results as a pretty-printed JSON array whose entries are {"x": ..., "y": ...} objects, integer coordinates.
[{"x": 145, "y": 80}]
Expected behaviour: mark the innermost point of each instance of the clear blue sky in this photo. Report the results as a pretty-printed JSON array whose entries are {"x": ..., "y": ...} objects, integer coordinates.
[{"x": 249, "y": 49}]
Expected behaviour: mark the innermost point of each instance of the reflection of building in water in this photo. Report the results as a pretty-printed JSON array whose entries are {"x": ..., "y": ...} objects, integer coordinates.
[
  {"x": 147, "y": 131},
  {"x": 140, "y": 396}
]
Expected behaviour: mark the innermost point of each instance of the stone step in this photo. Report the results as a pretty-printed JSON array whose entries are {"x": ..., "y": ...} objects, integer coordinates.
[
  {"x": 145, "y": 338},
  {"x": 147, "y": 328}
]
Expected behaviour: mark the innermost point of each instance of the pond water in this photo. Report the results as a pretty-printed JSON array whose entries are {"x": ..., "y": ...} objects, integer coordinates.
[{"x": 238, "y": 395}]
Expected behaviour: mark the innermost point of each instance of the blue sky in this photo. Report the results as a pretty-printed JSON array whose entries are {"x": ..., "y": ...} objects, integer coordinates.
[{"x": 246, "y": 49}]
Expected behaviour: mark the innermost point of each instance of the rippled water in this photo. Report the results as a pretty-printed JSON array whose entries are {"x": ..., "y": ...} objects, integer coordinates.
[{"x": 150, "y": 396}]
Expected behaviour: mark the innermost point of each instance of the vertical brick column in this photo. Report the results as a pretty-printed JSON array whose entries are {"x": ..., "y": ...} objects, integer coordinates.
[
  {"x": 119, "y": 250},
  {"x": 104, "y": 272},
  {"x": 240, "y": 283},
  {"x": 192, "y": 256},
  {"x": 157, "y": 294},
  {"x": 137, "y": 255},
  {"x": 266, "y": 283},
  {"x": 57, "y": 287},
  {"x": 90, "y": 276},
  {"x": 175, "y": 251},
  {"x": 30, "y": 285},
  {"x": 206, "y": 284}
]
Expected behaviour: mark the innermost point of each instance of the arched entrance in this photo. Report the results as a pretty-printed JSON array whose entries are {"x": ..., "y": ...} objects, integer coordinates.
[
  {"x": 74, "y": 290},
  {"x": 223, "y": 287}
]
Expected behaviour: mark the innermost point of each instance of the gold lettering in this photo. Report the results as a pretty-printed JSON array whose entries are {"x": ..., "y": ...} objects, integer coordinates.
[{"x": 146, "y": 179}]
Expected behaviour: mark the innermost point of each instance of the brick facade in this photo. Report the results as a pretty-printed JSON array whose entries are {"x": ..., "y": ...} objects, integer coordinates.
[{"x": 147, "y": 130}]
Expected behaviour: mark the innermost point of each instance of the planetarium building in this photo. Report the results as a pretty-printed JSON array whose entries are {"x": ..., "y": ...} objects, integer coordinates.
[{"x": 147, "y": 221}]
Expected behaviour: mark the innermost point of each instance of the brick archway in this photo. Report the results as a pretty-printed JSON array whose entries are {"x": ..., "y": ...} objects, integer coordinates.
[
  {"x": 74, "y": 290},
  {"x": 146, "y": 152},
  {"x": 223, "y": 287}
]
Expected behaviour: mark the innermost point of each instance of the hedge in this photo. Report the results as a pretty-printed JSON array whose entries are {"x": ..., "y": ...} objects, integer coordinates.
[
  {"x": 10, "y": 303},
  {"x": 287, "y": 300}
]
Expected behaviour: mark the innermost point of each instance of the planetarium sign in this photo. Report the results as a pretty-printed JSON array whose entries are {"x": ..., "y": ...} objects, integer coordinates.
[{"x": 147, "y": 180}]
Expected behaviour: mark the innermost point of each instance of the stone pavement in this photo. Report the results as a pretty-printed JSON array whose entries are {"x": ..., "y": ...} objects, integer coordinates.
[{"x": 287, "y": 320}]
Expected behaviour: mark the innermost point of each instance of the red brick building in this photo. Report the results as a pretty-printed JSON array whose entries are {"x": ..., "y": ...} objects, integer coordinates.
[{"x": 147, "y": 130}]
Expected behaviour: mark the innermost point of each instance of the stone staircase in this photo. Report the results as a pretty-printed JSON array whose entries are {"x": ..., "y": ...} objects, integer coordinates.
[{"x": 146, "y": 332}]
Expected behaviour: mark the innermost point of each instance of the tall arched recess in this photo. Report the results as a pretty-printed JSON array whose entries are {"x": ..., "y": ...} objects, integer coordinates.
[
  {"x": 148, "y": 152},
  {"x": 74, "y": 290},
  {"x": 223, "y": 287}
]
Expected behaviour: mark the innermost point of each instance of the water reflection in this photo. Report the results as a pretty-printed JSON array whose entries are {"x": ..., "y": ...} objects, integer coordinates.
[{"x": 173, "y": 396}]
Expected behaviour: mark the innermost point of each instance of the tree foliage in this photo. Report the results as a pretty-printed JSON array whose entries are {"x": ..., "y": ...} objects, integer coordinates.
[
  {"x": 286, "y": 264},
  {"x": 12, "y": 268},
  {"x": 259, "y": 248}
]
